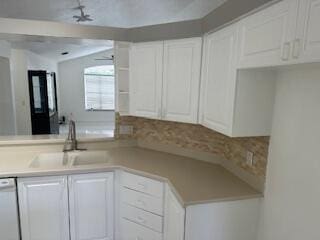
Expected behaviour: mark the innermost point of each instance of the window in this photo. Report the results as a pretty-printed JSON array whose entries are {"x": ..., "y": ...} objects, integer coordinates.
[{"x": 99, "y": 88}]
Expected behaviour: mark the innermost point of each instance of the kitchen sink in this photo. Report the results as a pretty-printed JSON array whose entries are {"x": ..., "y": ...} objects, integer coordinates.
[
  {"x": 75, "y": 158},
  {"x": 50, "y": 160},
  {"x": 88, "y": 157}
]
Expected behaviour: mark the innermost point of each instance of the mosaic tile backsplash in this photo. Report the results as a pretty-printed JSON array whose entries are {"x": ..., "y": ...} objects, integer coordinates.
[{"x": 196, "y": 137}]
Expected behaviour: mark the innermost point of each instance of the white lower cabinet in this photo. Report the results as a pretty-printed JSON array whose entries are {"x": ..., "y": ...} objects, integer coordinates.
[
  {"x": 82, "y": 207},
  {"x": 91, "y": 206},
  {"x": 134, "y": 231},
  {"x": 43, "y": 203},
  {"x": 45, "y": 214},
  {"x": 230, "y": 220},
  {"x": 174, "y": 226}
]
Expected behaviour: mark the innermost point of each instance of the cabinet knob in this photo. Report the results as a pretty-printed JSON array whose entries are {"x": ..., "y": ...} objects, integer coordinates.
[
  {"x": 141, "y": 202},
  {"x": 286, "y": 51},
  {"x": 141, "y": 220},
  {"x": 143, "y": 185}
]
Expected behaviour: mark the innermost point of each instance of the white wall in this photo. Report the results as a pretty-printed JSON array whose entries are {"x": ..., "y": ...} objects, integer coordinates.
[
  {"x": 21, "y": 62},
  {"x": 37, "y": 62},
  {"x": 71, "y": 90},
  {"x": 5, "y": 49},
  {"x": 291, "y": 207},
  {"x": 7, "y": 121},
  {"x": 19, "y": 76}
]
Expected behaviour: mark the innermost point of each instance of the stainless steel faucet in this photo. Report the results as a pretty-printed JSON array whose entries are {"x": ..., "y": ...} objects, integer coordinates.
[{"x": 72, "y": 138}]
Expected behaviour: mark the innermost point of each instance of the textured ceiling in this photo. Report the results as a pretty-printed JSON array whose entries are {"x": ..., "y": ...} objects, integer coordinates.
[
  {"x": 51, "y": 47},
  {"x": 114, "y": 13}
]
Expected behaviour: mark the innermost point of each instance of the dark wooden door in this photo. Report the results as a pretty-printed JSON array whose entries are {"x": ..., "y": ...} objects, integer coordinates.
[
  {"x": 43, "y": 103},
  {"x": 53, "y": 103}
]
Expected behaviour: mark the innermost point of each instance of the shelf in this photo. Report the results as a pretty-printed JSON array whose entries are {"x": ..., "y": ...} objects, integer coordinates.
[{"x": 123, "y": 92}]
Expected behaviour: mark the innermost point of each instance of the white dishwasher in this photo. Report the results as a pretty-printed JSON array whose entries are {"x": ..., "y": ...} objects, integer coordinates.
[{"x": 9, "y": 220}]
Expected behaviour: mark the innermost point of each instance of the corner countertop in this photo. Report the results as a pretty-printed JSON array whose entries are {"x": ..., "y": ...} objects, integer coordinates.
[{"x": 193, "y": 181}]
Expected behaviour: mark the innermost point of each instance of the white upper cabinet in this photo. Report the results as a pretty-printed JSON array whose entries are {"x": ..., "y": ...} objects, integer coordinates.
[
  {"x": 91, "y": 206},
  {"x": 235, "y": 103},
  {"x": 43, "y": 206},
  {"x": 165, "y": 79},
  {"x": 181, "y": 80},
  {"x": 219, "y": 80},
  {"x": 266, "y": 36},
  {"x": 146, "y": 60},
  {"x": 306, "y": 45}
]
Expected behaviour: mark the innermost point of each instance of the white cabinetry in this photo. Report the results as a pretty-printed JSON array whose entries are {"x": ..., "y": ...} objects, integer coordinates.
[
  {"x": 235, "y": 103},
  {"x": 91, "y": 206},
  {"x": 181, "y": 80},
  {"x": 284, "y": 33},
  {"x": 306, "y": 45},
  {"x": 45, "y": 214},
  {"x": 174, "y": 218},
  {"x": 146, "y": 69},
  {"x": 266, "y": 36},
  {"x": 164, "y": 79},
  {"x": 218, "y": 83},
  {"x": 141, "y": 208},
  {"x": 44, "y": 208},
  {"x": 121, "y": 52},
  {"x": 223, "y": 220}
]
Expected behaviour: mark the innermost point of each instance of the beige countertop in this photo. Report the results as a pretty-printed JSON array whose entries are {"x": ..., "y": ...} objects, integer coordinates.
[{"x": 194, "y": 181}]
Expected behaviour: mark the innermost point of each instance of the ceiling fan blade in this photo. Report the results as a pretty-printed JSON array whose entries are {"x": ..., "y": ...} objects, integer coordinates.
[
  {"x": 79, "y": 7},
  {"x": 104, "y": 59},
  {"x": 87, "y": 18},
  {"x": 77, "y": 17}
]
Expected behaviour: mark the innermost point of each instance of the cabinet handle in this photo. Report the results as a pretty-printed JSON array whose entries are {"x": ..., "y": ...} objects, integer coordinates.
[
  {"x": 141, "y": 202},
  {"x": 296, "y": 48},
  {"x": 142, "y": 185},
  {"x": 286, "y": 51},
  {"x": 141, "y": 220}
]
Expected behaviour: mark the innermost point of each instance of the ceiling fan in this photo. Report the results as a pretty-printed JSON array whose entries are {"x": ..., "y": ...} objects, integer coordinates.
[
  {"x": 105, "y": 58},
  {"x": 83, "y": 17}
]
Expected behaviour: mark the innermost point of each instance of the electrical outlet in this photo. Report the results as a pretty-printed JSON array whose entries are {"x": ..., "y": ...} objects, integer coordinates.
[
  {"x": 125, "y": 129},
  {"x": 249, "y": 158}
]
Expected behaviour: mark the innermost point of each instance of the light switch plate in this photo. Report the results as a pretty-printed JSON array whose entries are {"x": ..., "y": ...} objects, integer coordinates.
[
  {"x": 125, "y": 129},
  {"x": 249, "y": 158}
]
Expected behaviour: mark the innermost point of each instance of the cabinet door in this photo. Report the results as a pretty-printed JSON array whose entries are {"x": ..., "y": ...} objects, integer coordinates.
[
  {"x": 266, "y": 36},
  {"x": 219, "y": 79},
  {"x": 174, "y": 218},
  {"x": 43, "y": 206},
  {"x": 91, "y": 206},
  {"x": 182, "y": 60},
  {"x": 146, "y": 79},
  {"x": 306, "y": 46}
]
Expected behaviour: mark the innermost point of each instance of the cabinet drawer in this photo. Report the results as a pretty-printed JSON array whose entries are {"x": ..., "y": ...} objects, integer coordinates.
[
  {"x": 142, "y": 201},
  {"x": 142, "y": 217},
  {"x": 143, "y": 184},
  {"x": 133, "y": 231}
]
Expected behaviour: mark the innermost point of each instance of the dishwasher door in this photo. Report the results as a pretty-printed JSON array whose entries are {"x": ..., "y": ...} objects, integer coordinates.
[{"x": 9, "y": 220}]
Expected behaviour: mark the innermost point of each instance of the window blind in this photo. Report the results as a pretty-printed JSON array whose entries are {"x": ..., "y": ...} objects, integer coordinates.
[{"x": 99, "y": 91}]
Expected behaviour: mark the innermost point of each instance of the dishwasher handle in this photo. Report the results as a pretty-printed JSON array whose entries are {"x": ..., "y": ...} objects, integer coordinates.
[{"x": 7, "y": 184}]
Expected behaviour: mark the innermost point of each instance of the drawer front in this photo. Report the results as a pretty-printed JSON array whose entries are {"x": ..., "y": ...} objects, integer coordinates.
[
  {"x": 142, "y": 201},
  {"x": 142, "y": 217},
  {"x": 133, "y": 231},
  {"x": 143, "y": 184}
]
